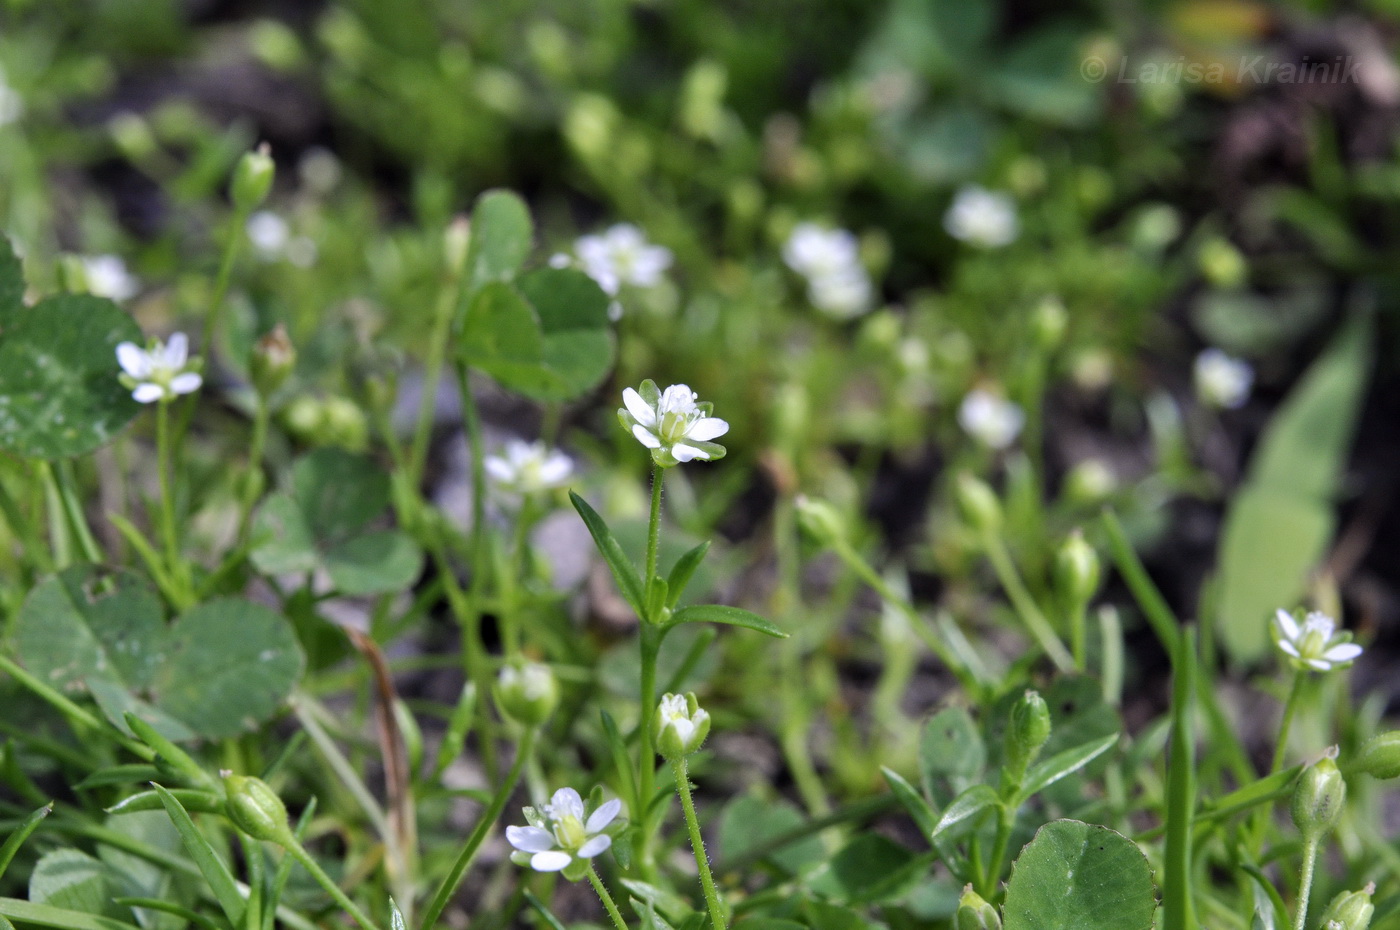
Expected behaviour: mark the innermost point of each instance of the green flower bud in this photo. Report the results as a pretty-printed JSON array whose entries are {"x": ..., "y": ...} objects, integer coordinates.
[
  {"x": 345, "y": 424},
  {"x": 256, "y": 809},
  {"x": 978, "y": 503},
  {"x": 1026, "y": 732},
  {"x": 252, "y": 179},
  {"x": 1089, "y": 482},
  {"x": 1380, "y": 757},
  {"x": 1222, "y": 264},
  {"x": 272, "y": 361},
  {"x": 1318, "y": 798},
  {"x": 1077, "y": 570},
  {"x": 1350, "y": 910},
  {"x": 1049, "y": 323},
  {"x": 455, "y": 244},
  {"x": 527, "y": 693},
  {"x": 820, "y": 520},
  {"x": 974, "y": 913},
  {"x": 680, "y": 726}
]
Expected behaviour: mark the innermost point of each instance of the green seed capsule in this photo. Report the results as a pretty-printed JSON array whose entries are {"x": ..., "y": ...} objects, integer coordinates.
[
  {"x": 974, "y": 913},
  {"x": 1380, "y": 757},
  {"x": 252, "y": 179},
  {"x": 1318, "y": 799},
  {"x": 978, "y": 503},
  {"x": 1026, "y": 732},
  {"x": 1350, "y": 910},
  {"x": 1077, "y": 570},
  {"x": 256, "y": 809}
]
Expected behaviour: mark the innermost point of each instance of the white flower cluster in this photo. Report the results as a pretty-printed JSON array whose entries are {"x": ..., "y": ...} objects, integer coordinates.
[
  {"x": 107, "y": 277},
  {"x": 559, "y": 832},
  {"x": 837, "y": 283},
  {"x": 1222, "y": 381},
  {"x": 160, "y": 372},
  {"x": 273, "y": 240},
  {"x": 983, "y": 218},
  {"x": 527, "y": 468}
]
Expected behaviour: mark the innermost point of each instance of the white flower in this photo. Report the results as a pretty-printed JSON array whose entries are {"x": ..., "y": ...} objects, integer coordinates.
[
  {"x": 1222, "y": 381},
  {"x": 991, "y": 419},
  {"x": 621, "y": 255},
  {"x": 527, "y": 692},
  {"x": 1315, "y": 645},
  {"x": 671, "y": 424},
  {"x": 681, "y": 725},
  {"x": 107, "y": 277},
  {"x": 160, "y": 372},
  {"x": 11, "y": 103},
  {"x": 269, "y": 234},
  {"x": 559, "y": 833},
  {"x": 528, "y": 468},
  {"x": 981, "y": 217},
  {"x": 837, "y": 283}
]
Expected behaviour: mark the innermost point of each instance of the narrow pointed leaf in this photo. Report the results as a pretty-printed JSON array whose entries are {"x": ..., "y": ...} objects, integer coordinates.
[
  {"x": 1065, "y": 763},
  {"x": 221, "y": 883},
  {"x": 924, "y": 817},
  {"x": 629, "y": 582},
  {"x": 683, "y": 571},
  {"x": 972, "y": 803},
  {"x": 21, "y": 833},
  {"x": 719, "y": 613}
]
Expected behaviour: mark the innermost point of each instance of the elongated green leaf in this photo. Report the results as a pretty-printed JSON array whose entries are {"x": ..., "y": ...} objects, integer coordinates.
[
  {"x": 43, "y": 915},
  {"x": 21, "y": 833},
  {"x": 719, "y": 613},
  {"x": 189, "y": 798},
  {"x": 168, "y": 907},
  {"x": 221, "y": 883},
  {"x": 1077, "y": 876},
  {"x": 924, "y": 817},
  {"x": 966, "y": 807},
  {"x": 168, "y": 754},
  {"x": 1046, "y": 773},
  {"x": 119, "y": 775},
  {"x": 629, "y": 582},
  {"x": 683, "y": 571}
]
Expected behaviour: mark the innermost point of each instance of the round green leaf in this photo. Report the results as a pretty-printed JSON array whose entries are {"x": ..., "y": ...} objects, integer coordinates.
[
  {"x": 59, "y": 393},
  {"x": 282, "y": 542},
  {"x": 230, "y": 665},
  {"x": 338, "y": 492},
  {"x": 376, "y": 563},
  {"x": 1079, "y": 876},
  {"x": 577, "y": 337}
]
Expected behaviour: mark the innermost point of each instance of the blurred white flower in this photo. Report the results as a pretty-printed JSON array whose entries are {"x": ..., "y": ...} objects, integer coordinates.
[
  {"x": 1315, "y": 645},
  {"x": 981, "y": 217},
  {"x": 1222, "y": 381},
  {"x": 107, "y": 277},
  {"x": 560, "y": 832},
  {"x": 671, "y": 424},
  {"x": 528, "y": 468},
  {"x": 320, "y": 170},
  {"x": 160, "y": 372},
  {"x": 11, "y": 103},
  {"x": 990, "y": 419},
  {"x": 302, "y": 251},
  {"x": 621, "y": 255},
  {"x": 837, "y": 283},
  {"x": 269, "y": 234}
]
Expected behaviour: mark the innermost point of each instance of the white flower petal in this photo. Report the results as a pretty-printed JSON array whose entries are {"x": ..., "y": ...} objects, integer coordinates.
[
  {"x": 1342, "y": 652},
  {"x": 603, "y": 816},
  {"x": 134, "y": 360},
  {"x": 703, "y": 430},
  {"x": 683, "y": 727},
  {"x": 1286, "y": 624},
  {"x": 685, "y": 453},
  {"x": 1320, "y": 665},
  {"x": 594, "y": 846},
  {"x": 186, "y": 383},
  {"x": 550, "y": 861},
  {"x": 641, "y": 411},
  {"x": 148, "y": 393},
  {"x": 498, "y": 469},
  {"x": 177, "y": 351},
  {"x": 645, "y": 437},
  {"x": 566, "y": 801},
  {"x": 530, "y": 839},
  {"x": 1289, "y": 648}
]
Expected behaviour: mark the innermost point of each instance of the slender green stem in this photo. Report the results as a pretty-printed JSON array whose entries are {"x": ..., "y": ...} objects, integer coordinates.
[
  {"x": 167, "y": 497},
  {"x": 261, "y": 416},
  {"x": 653, "y": 528},
  {"x": 213, "y": 313},
  {"x": 1006, "y": 817},
  {"x": 1025, "y": 605},
  {"x": 432, "y": 376},
  {"x": 298, "y": 852},
  {"x": 73, "y": 509},
  {"x": 480, "y": 831},
  {"x": 1177, "y": 901},
  {"x": 1078, "y": 622},
  {"x": 1305, "y": 881},
  {"x": 646, "y": 764},
  {"x": 697, "y": 843},
  {"x": 1290, "y": 708},
  {"x": 606, "y": 898},
  {"x": 60, "y": 533}
]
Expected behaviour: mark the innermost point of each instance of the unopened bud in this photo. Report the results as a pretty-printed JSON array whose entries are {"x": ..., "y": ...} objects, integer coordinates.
[
  {"x": 975, "y": 913},
  {"x": 272, "y": 361},
  {"x": 1049, "y": 322},
  {"x": 1026, "y": 732},
  {"x": 1222, "y": 264},
  {"x": 1351, "y": 910},
  {"x": 1089, "y": 482},
  {"x": 1380, "y": 756},
  {"x": 1077, "y": 570},
  {"x": 455, "y": 244},
  {"x": 680, "y": 727},
  {"x": 1318, "y": 798},
  {"x": 252, "y": 179},
  {"x": 527, "y": 693},
  {"x": 256, "y": 809},
  {"x": 978, "y": 503},
  {"x": 820, "y": 520}
]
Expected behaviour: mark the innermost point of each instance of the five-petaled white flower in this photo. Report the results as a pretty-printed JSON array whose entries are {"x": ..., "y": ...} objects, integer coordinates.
[
  {"x": 107, "y": 277},
  {"x": 1222, "y": 381},
  {"x": 837, "y": 283},
  {"x": 528, "y": 468},
  {"x": 982, "y": 218},
  {"x": 990, "y": 418},
  {"x": 622, "y": 255},
  {"x": 1315, "y": 645},
  {"x": 560, "y": 832},
  {"x": 671, "y": 424},
  {"x": 159, "y": 373}
]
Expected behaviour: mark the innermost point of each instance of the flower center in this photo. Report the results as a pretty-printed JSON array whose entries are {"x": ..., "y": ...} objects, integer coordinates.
[{"x": 570, "y": 832}]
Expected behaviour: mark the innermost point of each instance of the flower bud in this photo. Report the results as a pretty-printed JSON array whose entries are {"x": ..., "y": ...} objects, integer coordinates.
[
  {"x": 820, "y": 520},
  {"x": 1222, "y": 264},
  {"x": 252, "y": 179},
  {"x": 1049, "y": 323},
  {"x": 1077, "y": 570},
  {"x": 345, "y": 424},
  {"x": 272, "y": 360},
  {"x": 1380, "y": 756},
  {"x": 1350, "y": 910},
  {"x": 527, "y": 693},
  {"x": 681, "y": 725},
  {"x": 1318, "y": 798},
  {"x": 1089, "y": 482},
  {"x": 978, "y": 503},
  {"x": 974, "y": 913},
  {"x": 1026, "y": 731},
  {"x": 256, "y": 809},
  {"x": 455, "y": 244}
]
